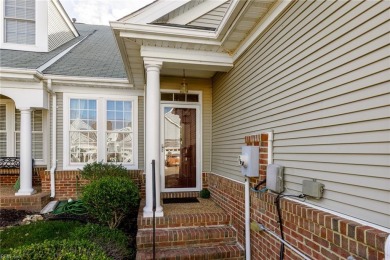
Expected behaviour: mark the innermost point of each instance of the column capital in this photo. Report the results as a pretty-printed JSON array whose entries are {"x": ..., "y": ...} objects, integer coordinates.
[
  {"x": 25, "y": 109},
  {"x": 152, "y": 63}
]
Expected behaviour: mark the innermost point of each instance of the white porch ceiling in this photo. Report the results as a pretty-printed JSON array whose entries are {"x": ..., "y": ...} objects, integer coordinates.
[{"x": 172, "y": 32}]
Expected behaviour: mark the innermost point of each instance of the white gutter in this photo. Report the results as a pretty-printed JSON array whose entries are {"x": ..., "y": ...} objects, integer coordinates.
[
  {"x": 54, "y": 141},
  {"x": 247, "y": 221}
]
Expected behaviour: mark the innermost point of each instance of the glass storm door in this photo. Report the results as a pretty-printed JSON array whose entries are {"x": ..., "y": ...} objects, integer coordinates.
[{"x": 180, "y": 148}]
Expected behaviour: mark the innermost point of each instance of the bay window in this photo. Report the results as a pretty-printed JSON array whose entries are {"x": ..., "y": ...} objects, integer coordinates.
[{"x": 100, "y": 129}]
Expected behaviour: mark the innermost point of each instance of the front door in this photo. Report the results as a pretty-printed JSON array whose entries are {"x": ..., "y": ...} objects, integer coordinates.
[{"x": 180, "y": 148}]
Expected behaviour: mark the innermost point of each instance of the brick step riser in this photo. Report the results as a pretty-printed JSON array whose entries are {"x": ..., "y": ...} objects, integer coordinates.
[
  {"x": 183, "y": 221},
  {"x": 186, "y": 237},
  {"x": 217, "y": 252}
]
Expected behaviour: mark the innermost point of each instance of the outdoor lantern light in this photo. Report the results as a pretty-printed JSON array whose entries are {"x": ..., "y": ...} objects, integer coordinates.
[{"x": 184, "y": 85}]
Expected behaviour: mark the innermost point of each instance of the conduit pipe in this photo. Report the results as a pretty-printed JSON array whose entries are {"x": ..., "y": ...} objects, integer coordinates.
[
  {"x": 270, "y": 147},
  {"x": 262, "y": 227},
  {"x": 247, "y": 220},
  {"x": 54, "y": 140}
]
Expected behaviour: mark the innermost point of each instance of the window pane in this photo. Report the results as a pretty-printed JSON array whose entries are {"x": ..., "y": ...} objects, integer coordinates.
[
  {"x": 83, "y": 114},
  {"x": 3, "y": 117},
  {"x": 83, "y": 147},
  {"x": 192, "y": 98},
  {"x": 3, "y": 144},
  {"x": 119, "y": 147},
  {"x": 166, "y": 96},
  {"x": 179, "y": 97}
]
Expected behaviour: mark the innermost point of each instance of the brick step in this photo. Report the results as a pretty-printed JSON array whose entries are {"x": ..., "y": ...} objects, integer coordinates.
[
  {"x": 198, "y": 252},
  {"x": 186, "y": 237},
  {"x": 185, "y": 220}
]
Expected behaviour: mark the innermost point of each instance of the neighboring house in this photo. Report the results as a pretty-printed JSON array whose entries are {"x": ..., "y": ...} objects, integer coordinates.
[
  {"x": 74, "y": 76},
  {"x": 310, "y": 79}
]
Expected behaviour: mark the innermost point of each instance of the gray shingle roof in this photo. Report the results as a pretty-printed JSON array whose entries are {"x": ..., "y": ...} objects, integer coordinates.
[{"x": 96, "y": 56}]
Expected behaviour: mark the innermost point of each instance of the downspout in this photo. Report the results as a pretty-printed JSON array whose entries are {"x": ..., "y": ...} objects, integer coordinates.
[
  {"x": 270, "y": 147},
  {"x": 54, "y": 140},
  {"x": 247, "y": 221}
]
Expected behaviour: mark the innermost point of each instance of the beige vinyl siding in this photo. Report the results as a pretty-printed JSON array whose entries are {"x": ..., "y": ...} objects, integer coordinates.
[
  {"x": 319, "y": 78},
  {"x": 59, "y": 31},
  {"x": 213, "y": 18},
  {"x": 203, "y": 85},
  {"x": 60, "y": 131},
  {"x": 141, "y": 133}
]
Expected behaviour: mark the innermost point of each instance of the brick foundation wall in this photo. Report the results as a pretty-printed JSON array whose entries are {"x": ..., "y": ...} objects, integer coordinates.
[
  {"x": 10, "y": 176},
  {"x": 318, "y": 234},
  {"x": 69, "y": 184}
]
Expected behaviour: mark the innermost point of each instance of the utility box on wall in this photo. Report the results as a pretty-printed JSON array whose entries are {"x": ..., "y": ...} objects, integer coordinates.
[
  {"x": 249, "y": 161},
  {"x": 275, "y": 178}
]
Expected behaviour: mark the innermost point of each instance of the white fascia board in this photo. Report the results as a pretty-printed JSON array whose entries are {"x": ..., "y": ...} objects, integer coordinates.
[
  {"x": 171, "y": 55},
  {"x": 20, "y": 74},
  {"x": 197, "y": 12},
  {"x": 66, "y": 18},
  {"x": 71, "y": 80},
  {"x": 154, "y": 12},
  {"x": 158, "y": 32},
  {"x": 229, "y": 18},
  {"x": 278, "y": 8}
]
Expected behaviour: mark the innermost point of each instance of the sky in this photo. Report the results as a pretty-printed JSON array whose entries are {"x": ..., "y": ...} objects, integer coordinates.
[{"x": 101, "y": 11}]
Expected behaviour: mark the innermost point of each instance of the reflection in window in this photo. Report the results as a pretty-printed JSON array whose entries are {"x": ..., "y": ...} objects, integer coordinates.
[
  {"x": 119, "y": 132},
  {"x": 83, "y": 132}
]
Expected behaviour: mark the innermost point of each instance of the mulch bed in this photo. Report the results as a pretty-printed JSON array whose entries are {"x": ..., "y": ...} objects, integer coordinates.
[{"x": 12, "y": 217}]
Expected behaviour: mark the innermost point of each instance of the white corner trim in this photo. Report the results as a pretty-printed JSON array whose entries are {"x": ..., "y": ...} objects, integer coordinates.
[
  {"x": 387, "y": 248},
  {"x": 196, "y": 12},
  {"x": 154, "y": 12},
  {"x": 187, "y": 56},
  {"x": 59, "y": 56},
  {"x": 66, "y": 18},
  {"x": 278, "y": 8}
]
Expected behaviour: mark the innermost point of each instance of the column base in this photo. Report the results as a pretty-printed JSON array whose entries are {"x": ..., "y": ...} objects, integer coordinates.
[
  {"x": 25, "y": 192},
  {"x": 148, "y": 213}
]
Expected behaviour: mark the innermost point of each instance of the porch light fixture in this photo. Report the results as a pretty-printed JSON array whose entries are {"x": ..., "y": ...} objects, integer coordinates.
[{"x": 184, "y": 85}]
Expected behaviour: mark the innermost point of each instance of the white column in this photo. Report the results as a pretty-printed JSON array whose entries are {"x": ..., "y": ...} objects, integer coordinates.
[
  {"x": 25, "y": 153},
  {"x": 152, "y": 136}
]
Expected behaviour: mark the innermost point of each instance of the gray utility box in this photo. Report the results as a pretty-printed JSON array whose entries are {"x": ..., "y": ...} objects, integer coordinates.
[
  {"x": 275, "y": 178},
  {"x": 312, "y": 189}
]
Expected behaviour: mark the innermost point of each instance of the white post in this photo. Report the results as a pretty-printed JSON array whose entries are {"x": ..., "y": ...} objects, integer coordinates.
[
  {"x": 26, "y": 187},
  {"x": 152, "y": 135}
]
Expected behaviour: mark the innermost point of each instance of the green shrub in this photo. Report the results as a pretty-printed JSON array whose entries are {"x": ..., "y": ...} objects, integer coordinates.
[
  {"x": 98, "y": 170},
  {"x": 205, "y": 193},
  {"x": 35, "y": 233},
  {"x": 58, "y": 249},
  {"x": 113, "y": 241},
  {"x": 110, "y": 199}
]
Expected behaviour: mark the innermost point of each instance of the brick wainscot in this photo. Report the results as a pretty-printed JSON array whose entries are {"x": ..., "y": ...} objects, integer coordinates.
[{"x": 319, "y": 234}]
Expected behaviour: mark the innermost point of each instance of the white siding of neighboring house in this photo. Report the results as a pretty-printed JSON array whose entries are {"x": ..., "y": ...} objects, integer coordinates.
[
  {"x": 319, "y": 78},
  {"x": 59, "y": 31},
  {"x": 203, "y": 85}
]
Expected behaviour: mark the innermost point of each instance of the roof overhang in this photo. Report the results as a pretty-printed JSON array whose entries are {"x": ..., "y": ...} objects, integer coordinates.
[{"x": 184, "y": 47}]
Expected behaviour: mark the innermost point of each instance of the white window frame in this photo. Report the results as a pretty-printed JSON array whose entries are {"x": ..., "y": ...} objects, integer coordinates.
[
  {"x": 101, "y": 110},
  {"x": 11, "y": 133},
  {"x": 41, "y": 30}
]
